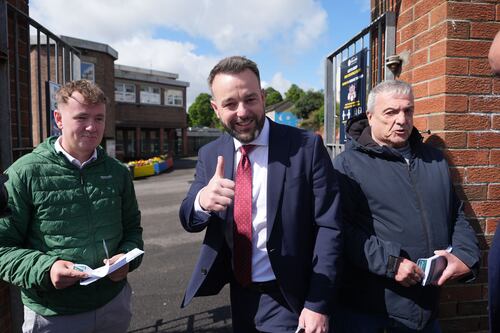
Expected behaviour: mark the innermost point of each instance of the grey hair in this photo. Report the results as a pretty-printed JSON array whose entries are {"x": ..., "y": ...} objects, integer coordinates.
[{"x": 388, "y": 86}]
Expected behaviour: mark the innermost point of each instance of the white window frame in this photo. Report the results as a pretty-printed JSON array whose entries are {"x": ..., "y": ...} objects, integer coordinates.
[
  {"x": 149, "y": 96},
  {"x": 121, "y": 93},
  {"x": 83, "y": 72},
  {"x": 174, "y": 97}
]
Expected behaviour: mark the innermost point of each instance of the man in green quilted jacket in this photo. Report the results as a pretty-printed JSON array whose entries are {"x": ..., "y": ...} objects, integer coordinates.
[{"x": 68, "y": 198}]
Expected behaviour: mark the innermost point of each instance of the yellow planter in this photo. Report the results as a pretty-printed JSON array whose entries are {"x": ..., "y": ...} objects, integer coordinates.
[{"x": 144, "y": 170}]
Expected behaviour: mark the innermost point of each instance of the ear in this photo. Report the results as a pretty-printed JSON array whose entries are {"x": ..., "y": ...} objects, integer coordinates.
[
  {"x": 263, "y": 94},
  {"x": 58, "y": 118},
  {"x": 215, "y": 108},
  {"x": 369, "y": 116}
]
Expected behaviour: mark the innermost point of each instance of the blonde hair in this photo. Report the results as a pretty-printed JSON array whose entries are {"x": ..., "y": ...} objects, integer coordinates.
[{"x": 90, "y": 91}]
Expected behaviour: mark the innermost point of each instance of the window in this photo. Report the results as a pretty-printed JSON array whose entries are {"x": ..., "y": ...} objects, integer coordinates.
[
  {"x": 87, "y": 71},
  {"x": 124, "y": 92},
  {"x": 150, "y": 95},
  {"x": 174, "y": 97}
]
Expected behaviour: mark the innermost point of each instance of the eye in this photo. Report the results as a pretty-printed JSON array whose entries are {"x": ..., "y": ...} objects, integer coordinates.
[{"x": 230, "y": 105}]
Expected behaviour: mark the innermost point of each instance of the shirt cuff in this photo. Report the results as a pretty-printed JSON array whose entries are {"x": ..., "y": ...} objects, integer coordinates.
[{"x": 200, "y": 212}]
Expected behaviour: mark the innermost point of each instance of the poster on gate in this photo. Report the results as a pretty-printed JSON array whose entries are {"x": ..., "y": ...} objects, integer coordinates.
[
  {"x": 51, "y": 89},
  {"x": 352, "y": 89}
]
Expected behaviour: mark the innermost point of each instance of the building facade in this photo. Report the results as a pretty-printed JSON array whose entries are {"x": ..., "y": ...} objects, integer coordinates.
[{"x": 150, "y": 107}]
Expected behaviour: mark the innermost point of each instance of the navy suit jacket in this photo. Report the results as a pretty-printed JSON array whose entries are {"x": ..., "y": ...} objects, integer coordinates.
[{"x": 304, "y": 240}]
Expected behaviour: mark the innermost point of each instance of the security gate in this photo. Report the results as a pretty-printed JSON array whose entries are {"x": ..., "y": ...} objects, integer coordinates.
[
  {"x": 382, "y": 31},
  {"x": 26, "y": 64}
]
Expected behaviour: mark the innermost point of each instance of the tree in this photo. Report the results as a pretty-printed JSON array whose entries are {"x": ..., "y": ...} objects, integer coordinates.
[
  {"x": 201, "y": 113},
  {"x": 307, "y": 103},
  {"x": 273, "y": 96},
  {"x": 294, "y": 93}
]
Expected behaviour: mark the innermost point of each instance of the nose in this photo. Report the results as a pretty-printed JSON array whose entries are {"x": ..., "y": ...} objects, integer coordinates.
[
  {"x": 91, "y": 126},
  {"x": 401, "y": 118},
  {"x": 242, "y": 110}
]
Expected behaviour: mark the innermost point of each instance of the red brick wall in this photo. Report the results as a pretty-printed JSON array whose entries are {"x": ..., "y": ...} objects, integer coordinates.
[{"x": 457, "y": 98}]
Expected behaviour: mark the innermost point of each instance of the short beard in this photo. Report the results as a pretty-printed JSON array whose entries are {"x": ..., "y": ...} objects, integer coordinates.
[{"x": 246, "y": 137}]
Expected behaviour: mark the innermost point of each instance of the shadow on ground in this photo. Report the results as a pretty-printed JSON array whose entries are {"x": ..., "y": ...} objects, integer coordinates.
[{"x": 213, "y": 321}]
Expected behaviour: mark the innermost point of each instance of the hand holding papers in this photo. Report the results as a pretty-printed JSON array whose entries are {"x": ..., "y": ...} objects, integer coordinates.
[
  {"x": 433, "y": 267},
  {"x": 98, "y": 273}
]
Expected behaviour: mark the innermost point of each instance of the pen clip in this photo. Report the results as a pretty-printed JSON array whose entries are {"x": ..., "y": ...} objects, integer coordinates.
[{"x": 105, "y": 251}]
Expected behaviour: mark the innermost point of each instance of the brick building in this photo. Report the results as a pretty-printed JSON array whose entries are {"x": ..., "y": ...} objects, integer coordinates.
[
  {"x": 150, "y": 106},
  {"x": 445, "y": 44}
]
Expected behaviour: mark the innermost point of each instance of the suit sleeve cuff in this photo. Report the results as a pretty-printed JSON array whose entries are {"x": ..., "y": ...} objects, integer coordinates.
[{"x": 198, "y": 211}]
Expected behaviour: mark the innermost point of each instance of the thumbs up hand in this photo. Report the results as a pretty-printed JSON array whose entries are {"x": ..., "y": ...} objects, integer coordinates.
[{"x": 219, "y": 193}]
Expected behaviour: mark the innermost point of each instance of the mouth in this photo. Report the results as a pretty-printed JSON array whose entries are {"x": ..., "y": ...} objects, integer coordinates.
[{"x": 244, "y": 124}]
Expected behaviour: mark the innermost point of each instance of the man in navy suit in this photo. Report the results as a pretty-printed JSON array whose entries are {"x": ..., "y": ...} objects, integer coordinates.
[{"x": 281, "y": 255}]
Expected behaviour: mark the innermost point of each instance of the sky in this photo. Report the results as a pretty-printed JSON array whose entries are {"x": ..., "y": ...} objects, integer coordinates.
[{"x": 288, "y": 39}]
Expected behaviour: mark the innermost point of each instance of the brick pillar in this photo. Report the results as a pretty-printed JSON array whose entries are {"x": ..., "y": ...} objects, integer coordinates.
[{"x": 457, "y": 99}]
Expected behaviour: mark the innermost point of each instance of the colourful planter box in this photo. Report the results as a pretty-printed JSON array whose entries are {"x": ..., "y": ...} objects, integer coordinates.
[
  {"x": 144, "y": 170},
  {"x": 160, "y": 167}
]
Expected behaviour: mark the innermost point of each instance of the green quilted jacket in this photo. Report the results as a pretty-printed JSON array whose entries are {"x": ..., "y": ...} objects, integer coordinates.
[{"x": 62, "y": 212}]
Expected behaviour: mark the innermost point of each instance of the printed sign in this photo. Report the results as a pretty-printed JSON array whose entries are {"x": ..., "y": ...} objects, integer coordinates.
[{"x": 352, "y": 89}]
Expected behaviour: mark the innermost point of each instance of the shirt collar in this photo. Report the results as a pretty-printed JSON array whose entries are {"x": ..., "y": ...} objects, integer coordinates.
[
  {"x": 73, "y": 160},
  {"x": 261, "y": 140}
]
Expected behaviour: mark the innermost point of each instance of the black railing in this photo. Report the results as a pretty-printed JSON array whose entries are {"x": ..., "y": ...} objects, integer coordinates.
[
  {"x": 371, "y": 37},
  {"x": 29, "y": 63}
]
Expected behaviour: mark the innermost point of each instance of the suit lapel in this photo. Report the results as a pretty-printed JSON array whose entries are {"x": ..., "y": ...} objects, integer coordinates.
[
  {"x": 278, "y": 161},
  {"x": 226, "y": 149}
]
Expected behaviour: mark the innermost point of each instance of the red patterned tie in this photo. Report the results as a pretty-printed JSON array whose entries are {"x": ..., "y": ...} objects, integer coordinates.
[{"x": 242, "y": 251}]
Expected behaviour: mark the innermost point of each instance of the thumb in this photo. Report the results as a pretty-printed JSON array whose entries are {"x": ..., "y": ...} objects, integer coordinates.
[{"x": 219, "y": 169}]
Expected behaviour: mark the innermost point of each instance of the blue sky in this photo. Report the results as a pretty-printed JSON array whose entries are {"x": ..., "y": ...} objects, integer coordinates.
[{"x": 288, "y": 39}]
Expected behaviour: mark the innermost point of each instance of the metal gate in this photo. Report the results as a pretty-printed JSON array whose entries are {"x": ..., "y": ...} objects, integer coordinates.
[
  {"x": 26, "y": 64},
  {"x": 382, "y": 31}
]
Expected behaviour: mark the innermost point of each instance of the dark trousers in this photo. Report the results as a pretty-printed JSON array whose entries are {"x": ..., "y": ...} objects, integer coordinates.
[
  {"x": 256, "y": 311},
  {"x": 494, "y": 284},
  {"x": 348, "y": 321}
]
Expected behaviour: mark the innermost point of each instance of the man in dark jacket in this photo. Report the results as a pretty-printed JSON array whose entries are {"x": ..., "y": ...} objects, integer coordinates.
[{"x": 399, "y": 205}]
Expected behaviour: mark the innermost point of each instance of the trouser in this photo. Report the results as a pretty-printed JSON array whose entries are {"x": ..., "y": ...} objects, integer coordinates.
[
  {"x": 113, "y": 317},
  {"x": 256, "y": 309},
  {"x": 347, "y": 321}
]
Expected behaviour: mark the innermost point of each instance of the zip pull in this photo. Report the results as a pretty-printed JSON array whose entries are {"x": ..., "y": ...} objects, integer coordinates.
[{"x": 81, "y": 178}]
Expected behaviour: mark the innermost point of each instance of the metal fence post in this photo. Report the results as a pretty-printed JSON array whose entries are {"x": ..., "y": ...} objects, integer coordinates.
[{"x": 5, "y": 130}]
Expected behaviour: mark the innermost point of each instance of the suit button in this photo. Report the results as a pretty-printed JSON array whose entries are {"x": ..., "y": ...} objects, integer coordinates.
[
  {"x": 271, "y": 250},
  {"x": 204, "y": 271}
]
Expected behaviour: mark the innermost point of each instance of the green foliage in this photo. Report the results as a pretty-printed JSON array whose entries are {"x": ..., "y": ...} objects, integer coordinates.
[
  {"x": 201, "y": 113},
  {"x": 272, "y": 96},
  {"x": 294, "y": 93},
  {"x": 307, "y": 103}
]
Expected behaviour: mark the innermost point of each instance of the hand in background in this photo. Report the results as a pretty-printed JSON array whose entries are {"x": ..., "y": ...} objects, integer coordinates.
[
  {"x": 313, "y": 322},
  {"x": 455, "y": 268},
  {"x": 408, "y": 273},
  {"x": 62, "y": 274},
  {"x": 120, "y": 273}
]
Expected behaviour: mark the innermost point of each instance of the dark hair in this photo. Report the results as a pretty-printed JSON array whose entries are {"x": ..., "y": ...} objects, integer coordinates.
[
  {"x": 233, "y": 65},
  {"x": 90, "y": 91}
]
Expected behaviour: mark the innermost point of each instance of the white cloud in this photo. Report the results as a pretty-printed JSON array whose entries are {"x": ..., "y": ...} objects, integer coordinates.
[
  {"x": 279, "y": 83},
  {"x": 134, "y": 28},
  {"x": 173, "y": 57},
  {"x": 230, "y": 25}
]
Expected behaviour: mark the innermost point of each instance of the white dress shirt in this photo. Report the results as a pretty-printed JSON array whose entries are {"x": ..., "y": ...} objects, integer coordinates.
[
  {"x": 261, "y": 266},
  {"x": 74, "y": 161}
]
